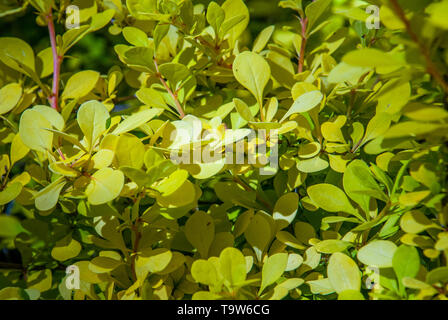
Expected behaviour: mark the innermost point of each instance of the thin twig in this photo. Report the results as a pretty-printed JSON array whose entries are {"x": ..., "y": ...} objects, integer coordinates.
[
  {"x": 430, "y": 66},
  {"x": 304, "y": 25},
  {"x": 172, "y": 94},
  {"x": 57, "y": 60}
]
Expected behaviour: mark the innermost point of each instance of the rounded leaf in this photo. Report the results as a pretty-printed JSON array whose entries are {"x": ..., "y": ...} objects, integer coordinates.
[
  {"x": 200, "y": 231},
  {"x": 232, "y": 266},
  {"x": 65, "y": 249},
  {"x": 9, "y": 97},
  {"x": 253, "y": 72},
  {"x": 105, "y": 186},
  {"x": 285, "y": 209},
  {"x": 330, "y": 198},
  {"x": 343, "y": 273},
  {"x": 92, "y": 117},
  {"x": 377, "y": 254},
  {"x": 273, "y": 268}
]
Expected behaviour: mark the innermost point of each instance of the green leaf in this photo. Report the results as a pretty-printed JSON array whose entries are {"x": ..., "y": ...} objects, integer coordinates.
[
  {"x": 129, "y": 151},
  {"x": 9, "y": 97},
  {"x": 177, "y": 74},
  {"x": 343, "y": 273},
  {"x": 135, "y": 36},
  {"x": 215, "y": 16},
  {"x": 40, "y": 280},
  {"x": 11, "y": 192},
  {"x": 47, "y": 198},
  {"x": 87, "y": 275},
  {"x": 101, "y": 19},
  {"x": 237, "y": 17},
  {"x": 273, "y": 268},
  {"x": 172, "y": 183},
  {"x": 73, "y": 36},
  {"x": 32, "y": 131},
  {"x": 309, "y": 150},
  {"x": 332, "y": 246},
  {"x": 55, "y": 118},
  {"x": 80, "y": 84},
  {"x": 406, "y": 262},
  {"x": 13, "y": 293},
  {"x": 160, "y": 261},
  {"x": 315, "y": 164},
  {"x": 350, "y": 295},
  {"x": 258, "y": 234},
  {"x": 205, "y": 295},
  {"x": 410, "y": 129},
  {"x": 205, "y": 170},
  {"x": 372, "y": 58},
  {"x": 232, "y": 266},
  {"x": 17, "y": 54},
  {"x": 415, "y": 221},
  {"x": 18, "y": 149},
  {"x": 252, "y": 72},
  {"x": 160, "y": 32},
  {"x": 92, "y": 117},
  {"x": 438, "y": 14},
  {"x": 314, "y": 11},
  {"x": 65, "y": 249},
  {"x": 437, "y": 275},
  {"x": 183, "y": 196},
  {"x": 294, "y": 261},
  {"x": 393, "y": 96},
  {"x": 357, "y": 181},
  {"x": 304, "y": 103},
  {"x": 291, "y": 4},
  {"x": 377, "y": 253},
  {"x": 345, "y": 72},
  {"x": 105, "y": 186},
  {"x": 200, "y": 231},
  {"x": 330, "y": 198},
  {"x": 285, "y": 209},
  {"x": 140, "y": 59},
  {"x": 262, "y": 39},
  {"x": 69, "y": 138},
  {"x": 204, "y": 272},
  {"x": 145, "y": 10},
  {"x": 10, "y": 227},
  {"x": 422, "y": 112},
  {"x": 103, "y": 264},
  {"x": 282, "y": 289},
  {"x": 243, "y": 110}
]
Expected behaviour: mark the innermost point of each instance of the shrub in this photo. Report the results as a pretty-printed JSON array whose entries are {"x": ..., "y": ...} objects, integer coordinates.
[{"x": 333, "y": 183}]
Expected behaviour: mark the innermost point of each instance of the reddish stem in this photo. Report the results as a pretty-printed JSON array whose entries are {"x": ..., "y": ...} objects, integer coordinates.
[
  {"x": 61, "y": 154},
  {"x": 430, "y": 66},
  {"x": 57, "y": 60},
  {"x": 167, "y": 88},
  {"x": 304, "y": 25}
]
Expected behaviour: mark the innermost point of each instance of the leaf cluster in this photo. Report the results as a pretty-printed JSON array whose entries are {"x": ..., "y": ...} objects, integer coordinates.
[{"x": 355, "y": 208}]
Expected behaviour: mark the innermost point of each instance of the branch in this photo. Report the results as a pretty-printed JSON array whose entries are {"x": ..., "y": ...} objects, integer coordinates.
[
  {"x": 57, "y": 60},
  {"x": 430, "y": 66},
  {"x": 304, "y": 24},
  {"x": 173, "y": 95}
]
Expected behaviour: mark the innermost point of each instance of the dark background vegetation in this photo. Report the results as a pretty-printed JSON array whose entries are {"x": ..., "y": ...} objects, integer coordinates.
[{"x": 95, "y": 51}]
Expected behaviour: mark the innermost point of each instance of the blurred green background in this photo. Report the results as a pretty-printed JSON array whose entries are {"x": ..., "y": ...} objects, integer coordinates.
[{"x": 95, "y": 51}]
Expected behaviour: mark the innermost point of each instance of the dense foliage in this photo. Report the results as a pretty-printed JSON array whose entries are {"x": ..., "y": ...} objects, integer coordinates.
[{"x": 354, "y": 208}]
